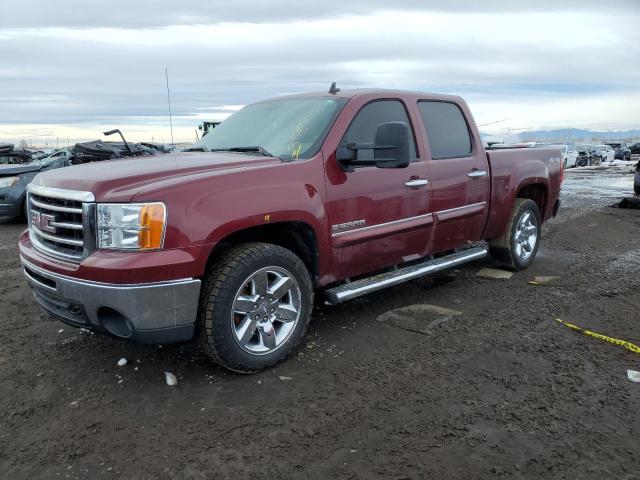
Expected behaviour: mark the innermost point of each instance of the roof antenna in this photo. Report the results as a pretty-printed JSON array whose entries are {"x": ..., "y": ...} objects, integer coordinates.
[
  {"x": 333, "y": 89},
  {"x": 166, "y": 74}
]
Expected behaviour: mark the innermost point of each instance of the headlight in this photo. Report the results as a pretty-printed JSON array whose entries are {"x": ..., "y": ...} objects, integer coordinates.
[
  {"x": 129, "y": 226},
  {"x": 9, "y": 181}
]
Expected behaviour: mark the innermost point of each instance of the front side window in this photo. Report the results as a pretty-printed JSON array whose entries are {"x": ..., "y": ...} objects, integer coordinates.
[
  {"x": 364, "y": 125},
  {"x": 446, "y": 128},
  {"x": 287, "y": 128}
]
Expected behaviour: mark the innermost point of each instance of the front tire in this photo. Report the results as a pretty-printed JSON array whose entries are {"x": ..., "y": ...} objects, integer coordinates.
[
  {"x": 518, "y": 245},
  {"x": 255, "y": 307}
]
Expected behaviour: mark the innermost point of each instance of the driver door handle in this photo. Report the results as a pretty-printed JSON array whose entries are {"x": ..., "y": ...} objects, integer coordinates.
[
  {"x": 477, "y": 173},
  {"x": 416, "y": 182}
]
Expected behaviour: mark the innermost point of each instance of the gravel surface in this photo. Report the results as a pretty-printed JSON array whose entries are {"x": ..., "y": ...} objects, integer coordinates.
[{"x": 497, "y": 390}]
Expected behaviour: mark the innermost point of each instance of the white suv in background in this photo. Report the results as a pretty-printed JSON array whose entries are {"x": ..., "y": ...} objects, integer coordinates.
[
  {"x": 569, "y": 155},
  {"x": 607, "y": 153}
]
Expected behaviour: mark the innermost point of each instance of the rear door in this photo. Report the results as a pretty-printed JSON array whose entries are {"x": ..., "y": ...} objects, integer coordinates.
[
  {"x": 458, "y": 175},
  {"x": 378, "y": 216}
]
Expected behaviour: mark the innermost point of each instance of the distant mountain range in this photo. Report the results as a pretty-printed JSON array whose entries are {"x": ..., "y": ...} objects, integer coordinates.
[{"x": 571, "y": 135}]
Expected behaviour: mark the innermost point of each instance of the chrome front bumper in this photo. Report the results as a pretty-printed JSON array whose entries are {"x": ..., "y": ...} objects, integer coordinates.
[{"x": 162, "y": 312}]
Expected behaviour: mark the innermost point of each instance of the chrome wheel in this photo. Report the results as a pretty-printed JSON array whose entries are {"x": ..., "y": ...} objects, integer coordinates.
[
  {"x": 526, "y": 235},
  {"x": 266, "y": 310}
]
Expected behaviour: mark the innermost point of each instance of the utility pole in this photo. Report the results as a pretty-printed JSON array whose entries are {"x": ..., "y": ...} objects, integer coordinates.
[{"x": 166, "y": 74}]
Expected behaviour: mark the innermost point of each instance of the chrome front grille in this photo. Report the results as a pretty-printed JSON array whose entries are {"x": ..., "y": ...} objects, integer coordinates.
[{"x": 61, "y": 222}]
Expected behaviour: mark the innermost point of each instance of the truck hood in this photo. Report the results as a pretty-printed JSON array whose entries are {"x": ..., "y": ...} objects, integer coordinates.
[
  {"x": 119, "y": 180},
  {"x": 7, "y": 170}
]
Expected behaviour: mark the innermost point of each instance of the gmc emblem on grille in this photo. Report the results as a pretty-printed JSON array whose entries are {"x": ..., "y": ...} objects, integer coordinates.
[{"x": 42, "y": 221}]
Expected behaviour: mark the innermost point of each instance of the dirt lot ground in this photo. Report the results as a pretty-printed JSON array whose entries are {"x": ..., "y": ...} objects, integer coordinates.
[{"x": 501, "y": 391}]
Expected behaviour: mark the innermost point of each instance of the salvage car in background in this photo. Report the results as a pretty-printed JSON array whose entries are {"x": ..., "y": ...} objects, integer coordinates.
[
  {"x": 569, "y": 155},
  {"x": 622, "y": 151},
  {"x": 9, "y": 155},
  {"x": 605, "y": 152},
  {"x": 585, "y": 155},
  {"x": 636, "y": 180},
  {"x": 15, "y": 178}
]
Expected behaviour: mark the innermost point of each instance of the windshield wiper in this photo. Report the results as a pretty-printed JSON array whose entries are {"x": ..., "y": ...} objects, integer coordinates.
[{"x": 257, "y": 149}]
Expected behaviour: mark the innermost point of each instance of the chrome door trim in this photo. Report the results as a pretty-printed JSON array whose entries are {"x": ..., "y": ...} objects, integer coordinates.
[
  {"x": 426, "y": 216},
  {"x": 464, "y": 207},
  {"x": 454, "y": 213}
]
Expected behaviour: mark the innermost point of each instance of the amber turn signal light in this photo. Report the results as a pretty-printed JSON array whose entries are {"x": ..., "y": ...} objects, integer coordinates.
[{"x": 152, "y": 223}]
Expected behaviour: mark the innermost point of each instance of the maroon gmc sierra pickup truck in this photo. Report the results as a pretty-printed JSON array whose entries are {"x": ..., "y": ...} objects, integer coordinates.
[{"x": 342, "y": 192}]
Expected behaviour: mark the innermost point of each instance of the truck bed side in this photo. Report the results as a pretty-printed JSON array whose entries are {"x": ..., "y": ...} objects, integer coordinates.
[{"x": 534, "y": 173}]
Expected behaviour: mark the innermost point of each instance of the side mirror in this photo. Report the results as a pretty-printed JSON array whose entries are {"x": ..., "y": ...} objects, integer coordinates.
[
  {"x": 391, "y": 149},
  {"x": 392, "y": 145}
]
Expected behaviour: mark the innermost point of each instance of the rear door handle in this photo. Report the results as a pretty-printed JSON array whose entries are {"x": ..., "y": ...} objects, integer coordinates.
[
  {"x": 416, "y": 182},
  {"x": 477, "y": 173}
]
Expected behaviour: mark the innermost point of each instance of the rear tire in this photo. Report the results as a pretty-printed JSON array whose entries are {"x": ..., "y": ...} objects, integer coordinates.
[
  {"x": 255, "y": 307},
  {"x": 518, "y": 245}
]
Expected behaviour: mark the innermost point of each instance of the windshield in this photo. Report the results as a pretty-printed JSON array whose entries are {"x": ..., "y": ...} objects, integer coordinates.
[{"x": 287, "y": 128}]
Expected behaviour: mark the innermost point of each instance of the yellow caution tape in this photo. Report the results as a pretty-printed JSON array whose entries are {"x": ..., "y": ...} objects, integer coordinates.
[{"x": 621, "y": 343}]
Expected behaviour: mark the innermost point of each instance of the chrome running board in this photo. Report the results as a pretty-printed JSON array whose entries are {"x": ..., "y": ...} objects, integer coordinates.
[{"x": 347, "y": 291}]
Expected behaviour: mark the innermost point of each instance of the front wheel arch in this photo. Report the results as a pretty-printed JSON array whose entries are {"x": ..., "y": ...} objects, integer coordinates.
[{"x": 297, "y": 236}]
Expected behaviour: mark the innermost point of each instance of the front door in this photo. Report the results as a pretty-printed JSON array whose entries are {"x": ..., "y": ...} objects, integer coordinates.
[{"x": 378, "y": 216}]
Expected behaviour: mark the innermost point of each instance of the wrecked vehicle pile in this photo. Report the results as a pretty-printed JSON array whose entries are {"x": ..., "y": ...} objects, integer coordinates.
[
  {"x": 99, "y": 150},
  {"x": 21, "y": 168},
  {"x": 9, "y": 155}
]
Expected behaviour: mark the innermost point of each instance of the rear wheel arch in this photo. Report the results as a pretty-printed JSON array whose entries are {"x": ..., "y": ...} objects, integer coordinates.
[{"x": 537, "y": 192}]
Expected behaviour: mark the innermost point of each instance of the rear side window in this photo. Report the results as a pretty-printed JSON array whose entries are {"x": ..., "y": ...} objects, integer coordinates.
[
  {"x": 447, "y": 129},
  {"x": 363, "y": 127}
]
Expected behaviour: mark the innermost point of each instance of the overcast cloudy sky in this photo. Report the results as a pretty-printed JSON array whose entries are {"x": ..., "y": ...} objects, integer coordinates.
[{"x": 71, "y": 68}]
